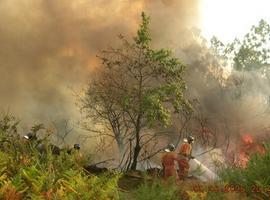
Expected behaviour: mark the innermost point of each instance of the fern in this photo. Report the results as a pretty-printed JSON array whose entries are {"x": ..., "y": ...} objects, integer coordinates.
[
  {"x": 158, "y": 191},
  {"x": 25, "y": 173}
]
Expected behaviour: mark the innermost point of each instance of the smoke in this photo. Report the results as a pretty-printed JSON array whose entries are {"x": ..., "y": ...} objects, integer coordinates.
[
  {"x": 228, "y": 103},
  {"x": 49, "y": 47}
]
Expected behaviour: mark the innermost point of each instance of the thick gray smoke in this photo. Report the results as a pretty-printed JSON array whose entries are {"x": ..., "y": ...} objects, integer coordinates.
[
  {"x": 229, "y": 104},
  {"x": 49, "y": 47}
]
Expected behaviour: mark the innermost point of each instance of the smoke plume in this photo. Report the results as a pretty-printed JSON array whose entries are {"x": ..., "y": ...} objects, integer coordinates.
[{"x": 49, "y": 47}]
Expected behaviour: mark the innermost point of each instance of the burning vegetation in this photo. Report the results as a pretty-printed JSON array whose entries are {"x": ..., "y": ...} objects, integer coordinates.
[{"x": 246, "y": 147}]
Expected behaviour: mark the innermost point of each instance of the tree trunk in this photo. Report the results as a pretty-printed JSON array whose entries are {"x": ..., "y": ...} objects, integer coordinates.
[
  {"x": 137, "y": 150},
  {"x": 121, "y": 151},
  {"x": 121, "y": 146}
]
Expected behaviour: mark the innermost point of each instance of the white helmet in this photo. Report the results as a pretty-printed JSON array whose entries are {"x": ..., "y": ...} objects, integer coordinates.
[{"x": 170, "y": 147}]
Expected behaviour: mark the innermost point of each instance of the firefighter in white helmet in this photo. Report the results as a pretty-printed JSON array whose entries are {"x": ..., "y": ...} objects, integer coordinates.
[
  {"x": 184, "y": 156},
  {"x": 169, "y": 162}
]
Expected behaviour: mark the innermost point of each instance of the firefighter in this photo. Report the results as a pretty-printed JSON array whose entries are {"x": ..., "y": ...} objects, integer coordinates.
[
  {"x": 30, "y": 136},
  {"x": 76, "y": 147},
  {"x": 76, "y": 154},
  {"x": 169, "y": 161},
  {"x": 184, "y": 156}
]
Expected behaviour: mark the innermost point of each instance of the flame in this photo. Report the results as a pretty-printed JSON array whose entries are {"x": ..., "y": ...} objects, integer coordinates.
[
  {"x": 246, "y": 147},
  {"x": 247, "y": 139}
]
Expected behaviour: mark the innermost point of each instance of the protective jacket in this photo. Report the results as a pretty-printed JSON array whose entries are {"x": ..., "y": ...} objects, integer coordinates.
[
  {"x": 168, "y": 162},
  {"x": 183, "y": 159}
]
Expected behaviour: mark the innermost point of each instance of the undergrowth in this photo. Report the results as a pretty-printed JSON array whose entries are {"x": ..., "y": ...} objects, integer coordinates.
[
  {"x": 158, "y": 190},
  {"x": 27, "y": 174},
  {"x": 254, "y": 180}
]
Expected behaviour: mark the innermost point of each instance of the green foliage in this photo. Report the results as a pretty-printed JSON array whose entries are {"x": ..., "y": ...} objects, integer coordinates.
[
  {"x": 253, "y": 52},
  {"x": 93, "y": 187},
  {"x": 253, "y": 178},
  {"x": 8, "y": 123},
  {"x": 139, "y": 81},
  {"x": 143, "y": 34},
  {"x": 250, "y": 53},
  {"x": 137, "y": 88},
  {"x": 27, "y": 174},
  {"x": 215, "y": 196},
  {"x": 158, "y": 191}
]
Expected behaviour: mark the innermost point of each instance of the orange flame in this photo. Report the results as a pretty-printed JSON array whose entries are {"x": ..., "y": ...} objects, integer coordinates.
[
  {"x": 248, "y": 147},
  {"x": 247, "y": 139}
]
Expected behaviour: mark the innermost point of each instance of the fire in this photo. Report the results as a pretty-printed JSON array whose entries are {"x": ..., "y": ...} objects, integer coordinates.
[
  {"x": 247, "y": 148},
  {"x": 247, "y": 139}
]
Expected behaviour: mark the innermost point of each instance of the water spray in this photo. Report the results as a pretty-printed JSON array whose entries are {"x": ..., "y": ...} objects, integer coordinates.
[{"x": 207, "y": 173}]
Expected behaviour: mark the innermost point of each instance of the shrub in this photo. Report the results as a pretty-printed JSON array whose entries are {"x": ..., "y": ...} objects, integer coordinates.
[
  {"x": 27, "y": 174},
  {"x": 158, "y": 191},
  {"x": 254, "y": 179}
]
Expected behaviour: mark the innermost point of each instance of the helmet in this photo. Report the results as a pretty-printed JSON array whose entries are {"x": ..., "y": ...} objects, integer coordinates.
[
  {"x": 170, "y": 147},
  {"x": 30, "y": 136},
  {"x": 190, "y": 139},
  {"x": 77, "y": 146}
]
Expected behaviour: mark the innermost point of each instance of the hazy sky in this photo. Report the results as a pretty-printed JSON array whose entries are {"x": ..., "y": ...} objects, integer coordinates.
[{"x": 230, "y": 18}]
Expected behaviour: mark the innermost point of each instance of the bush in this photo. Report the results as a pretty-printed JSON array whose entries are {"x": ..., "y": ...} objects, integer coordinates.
[
  {"x": 158, "y": 191},
  {"x": 254, "y": 179},
  {"x": 27, "y": 174}
]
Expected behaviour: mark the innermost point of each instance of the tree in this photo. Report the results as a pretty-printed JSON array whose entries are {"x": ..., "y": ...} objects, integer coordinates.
[
  {"x": 135, "y": 89},
  {"x": 250, "y": 53},
  {"x": 249, "y": 57}
]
